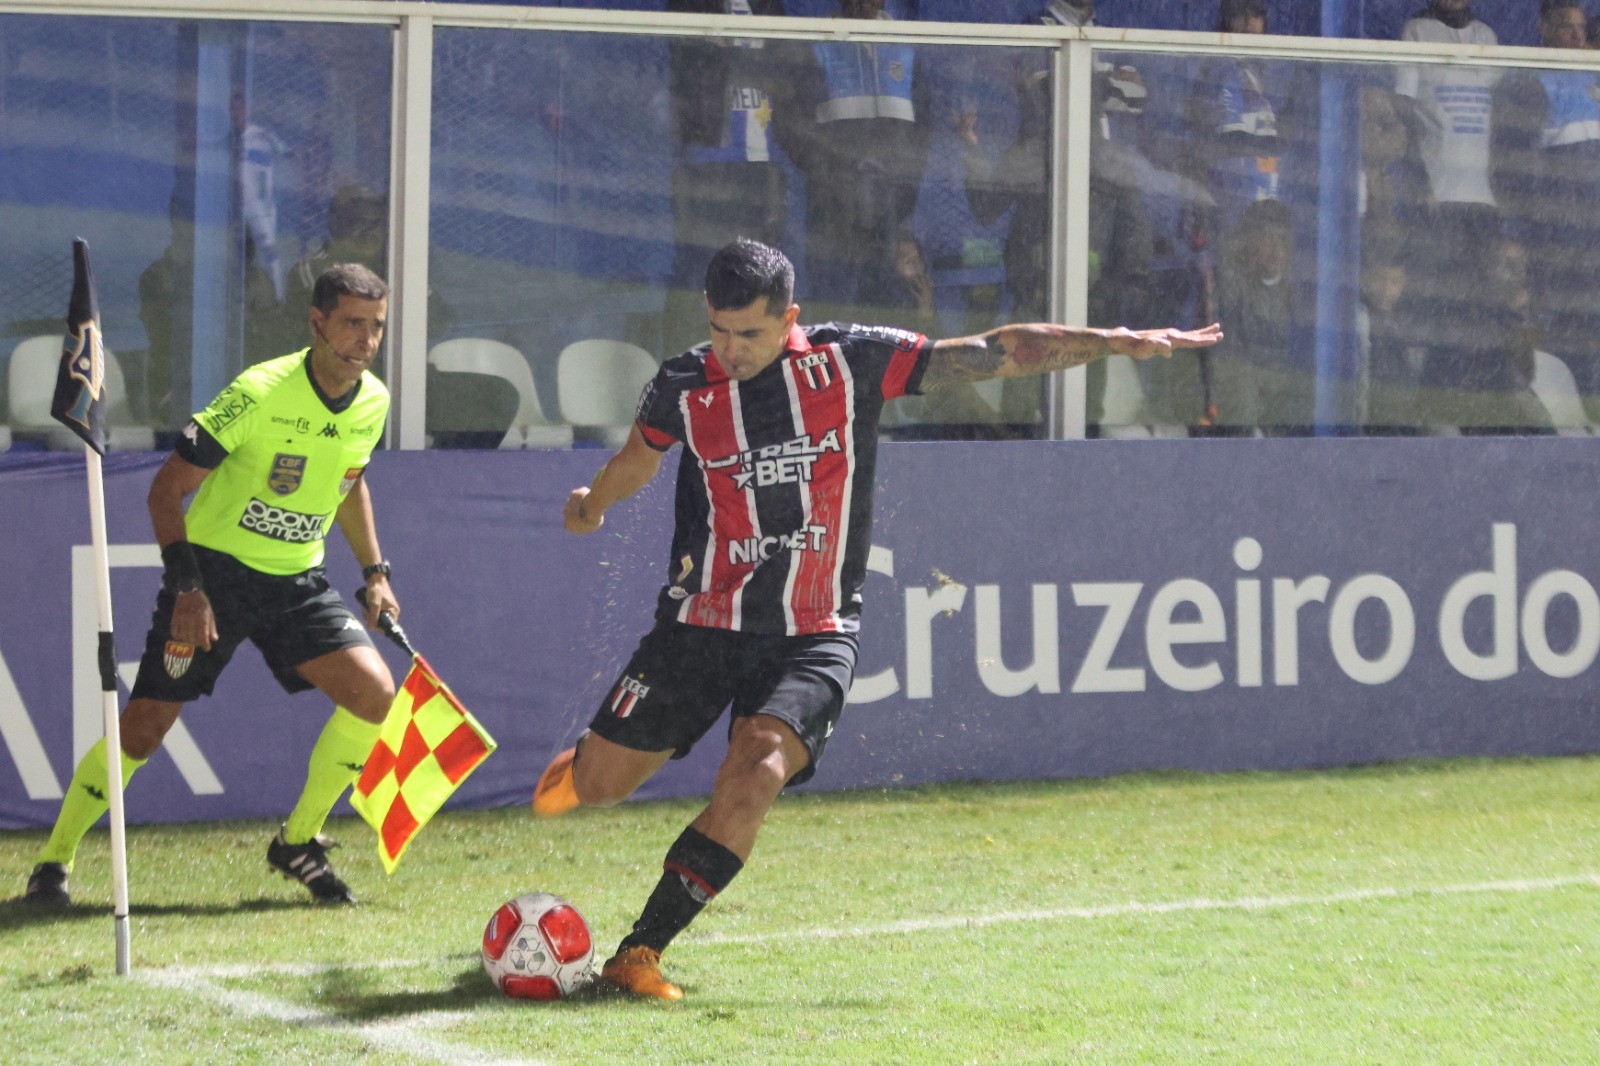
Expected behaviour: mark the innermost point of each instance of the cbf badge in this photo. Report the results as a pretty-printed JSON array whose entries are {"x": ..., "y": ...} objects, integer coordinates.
[
  {"x": 178, "y": 658},
  {"x": 287, "y": 470}
]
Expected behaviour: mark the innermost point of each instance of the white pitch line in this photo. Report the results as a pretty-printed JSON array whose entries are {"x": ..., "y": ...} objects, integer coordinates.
[
  {"x": 398, "y": 1035},
  {"x": 1118, "y": 910},
  {"x": 403, "y": 1034}
]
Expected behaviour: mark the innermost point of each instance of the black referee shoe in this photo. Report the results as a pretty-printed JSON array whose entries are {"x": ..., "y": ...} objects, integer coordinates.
[
  {"x": 308, "y": 864},
  {"x": 47, "y": 886}
]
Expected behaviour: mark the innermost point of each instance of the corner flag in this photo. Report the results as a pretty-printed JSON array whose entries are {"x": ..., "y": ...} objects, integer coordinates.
[
  {"x": 429, "y": 744},
  {"x": 79, "y": 401},
  {"x": 80, "y": 405}
]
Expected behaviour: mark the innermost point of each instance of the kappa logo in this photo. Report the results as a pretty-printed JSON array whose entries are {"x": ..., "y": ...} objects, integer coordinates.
[
  {"x": 287, "y": 473},
  {"x": 787, "y": 463},
  {"x": 177, "y": 657},
  {"x": 349, "y": 623},
  {"x": 329, "y": 430}
]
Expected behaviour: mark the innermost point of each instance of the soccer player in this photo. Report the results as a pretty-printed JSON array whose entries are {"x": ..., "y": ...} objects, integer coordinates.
[
  {"x": 779, "y": 425},
  {"x": 278, "y": 454}
]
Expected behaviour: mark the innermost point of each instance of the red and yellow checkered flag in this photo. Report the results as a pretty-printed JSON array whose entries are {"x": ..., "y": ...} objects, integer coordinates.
[{"x": 428, "y": 746}]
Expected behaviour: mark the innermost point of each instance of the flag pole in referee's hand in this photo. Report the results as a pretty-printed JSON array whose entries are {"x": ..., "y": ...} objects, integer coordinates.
[{"x": 80, "y": 405}]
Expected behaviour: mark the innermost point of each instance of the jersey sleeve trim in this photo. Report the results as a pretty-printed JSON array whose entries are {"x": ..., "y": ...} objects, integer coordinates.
[
  {"x": 200, "y": 448},
  {"x": 904, "y": 376},
  {"x": 656, "y": 438}
]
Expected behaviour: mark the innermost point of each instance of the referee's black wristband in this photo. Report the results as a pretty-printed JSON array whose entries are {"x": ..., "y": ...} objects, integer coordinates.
[{"x": 182, "y": 569}]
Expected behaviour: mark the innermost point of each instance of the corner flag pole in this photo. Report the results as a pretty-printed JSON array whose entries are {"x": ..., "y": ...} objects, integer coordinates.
[{"x": 79, "y": 404}]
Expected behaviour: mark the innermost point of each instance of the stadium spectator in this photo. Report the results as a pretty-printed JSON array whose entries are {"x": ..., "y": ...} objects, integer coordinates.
[
  {"x": 166, "y": 310},
  {"x": 1120, "y": 246},
  {"x": 1120, "y": 241},
  {"x": 1384, "y": 194},
  {"x": 762, "y": 609},
  {"x": 1448, "y": 110},
  {"x": 465, "y": 410},
  {"x": 1253, "y": 385},
  {"x": 1234, "y": 122},
  {"x": 730, "y": 106},
  {"x": 899, "y": 293},
  {"x": 1547, "y": 169},
  {"x": 1482, "y": 383},
  {"x": 1391, "y": 361},
  {"x": 304, "y": 427},
  {"x": 861, "y": 137},
  {"x": 259, "y": 152}
]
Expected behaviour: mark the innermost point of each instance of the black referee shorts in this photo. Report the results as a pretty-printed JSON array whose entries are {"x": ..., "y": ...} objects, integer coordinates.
[
  {"x": 683, "y": 677},
  {"x": 292, "y": 618}
]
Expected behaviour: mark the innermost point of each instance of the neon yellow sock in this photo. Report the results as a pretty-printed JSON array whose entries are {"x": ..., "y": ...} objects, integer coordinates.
[
  {"x": 85, "y": 802},
  {"x": 336, "y": 761}
]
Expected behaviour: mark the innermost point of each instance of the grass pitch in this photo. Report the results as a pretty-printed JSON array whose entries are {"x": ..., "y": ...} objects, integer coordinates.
[{"x": 1429, "y": 912}]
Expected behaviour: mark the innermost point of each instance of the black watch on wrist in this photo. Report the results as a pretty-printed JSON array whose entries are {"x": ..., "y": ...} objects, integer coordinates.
[{"x": 383, "y": 568}]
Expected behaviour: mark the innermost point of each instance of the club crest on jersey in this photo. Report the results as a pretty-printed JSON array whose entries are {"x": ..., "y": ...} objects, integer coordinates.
[
  {"x": 287, "y": 471},
  {"x": 816, "y": 368},
  {"x": 177, "y": 658},
  {"x": 351, "y": 476},
  {"x": 777, "y": 464},
  {"x": 626, "y": 696}
]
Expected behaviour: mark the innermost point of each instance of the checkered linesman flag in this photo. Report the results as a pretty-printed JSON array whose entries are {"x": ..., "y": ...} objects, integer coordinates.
[{"x": 428, "y": 746}]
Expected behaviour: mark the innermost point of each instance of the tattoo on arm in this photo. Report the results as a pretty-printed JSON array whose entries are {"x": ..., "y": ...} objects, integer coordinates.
[
  {"x": 1013, "y": 351},
  {"x": 965, "y": 359}
]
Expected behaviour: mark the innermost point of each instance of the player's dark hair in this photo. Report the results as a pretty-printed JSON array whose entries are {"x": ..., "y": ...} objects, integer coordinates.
[
  {"x": 347, "y": 279},
  {"x": 745, "y": 271},
  {"x": 1550, "y": 7}
]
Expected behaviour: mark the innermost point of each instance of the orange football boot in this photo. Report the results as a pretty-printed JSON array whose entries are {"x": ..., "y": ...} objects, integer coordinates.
[
  {"x": 638, "y": 971},
  {"x": 555, "y": 793}
]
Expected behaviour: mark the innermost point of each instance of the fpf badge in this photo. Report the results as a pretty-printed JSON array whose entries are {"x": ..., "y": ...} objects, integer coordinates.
[{"x": 287, "y": 472}]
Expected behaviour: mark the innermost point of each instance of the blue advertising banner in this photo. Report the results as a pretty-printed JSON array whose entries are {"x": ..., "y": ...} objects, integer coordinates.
[{"x": 1035, "y": 609}]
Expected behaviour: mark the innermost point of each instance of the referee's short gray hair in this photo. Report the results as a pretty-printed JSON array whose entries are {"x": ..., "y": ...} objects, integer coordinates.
[{"x": 347, "y": 279}]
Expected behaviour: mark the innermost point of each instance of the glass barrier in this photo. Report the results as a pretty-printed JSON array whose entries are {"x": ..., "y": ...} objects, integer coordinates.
[
  {"x": 213, "y": 167},
  {"x": 1391, "y": 249},
  {"x": 574, "y": 212}
]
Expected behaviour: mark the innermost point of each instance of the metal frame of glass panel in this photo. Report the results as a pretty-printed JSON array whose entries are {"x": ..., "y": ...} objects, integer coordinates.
[{"x": 416, "y": 22}]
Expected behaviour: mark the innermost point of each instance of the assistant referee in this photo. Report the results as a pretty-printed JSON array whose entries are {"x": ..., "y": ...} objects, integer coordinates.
[{"x": 271, "y": 462}]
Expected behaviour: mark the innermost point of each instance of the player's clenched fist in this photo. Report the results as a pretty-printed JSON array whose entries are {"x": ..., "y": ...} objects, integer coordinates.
[{"x": 576, "y": 518}]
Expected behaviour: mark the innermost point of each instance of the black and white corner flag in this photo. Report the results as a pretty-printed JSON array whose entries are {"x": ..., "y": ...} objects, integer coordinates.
[{"x": 80, "y": 397}]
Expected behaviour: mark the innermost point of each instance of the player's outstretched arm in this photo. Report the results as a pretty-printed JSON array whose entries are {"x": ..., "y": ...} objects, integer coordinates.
[
  {"x": 1038, "y": 348},
  {"x": 628, "y": 471}
]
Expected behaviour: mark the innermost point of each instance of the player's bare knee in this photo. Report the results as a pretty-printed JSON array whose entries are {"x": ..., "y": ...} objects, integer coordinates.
[
  {"x": 751, "y": 783},
  {"x": 144, "y": 724},
  {"x": 596, "y": 789}
]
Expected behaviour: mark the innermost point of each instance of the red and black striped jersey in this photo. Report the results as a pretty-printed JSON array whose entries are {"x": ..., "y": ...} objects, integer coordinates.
[{"x": 774, "y": 496}]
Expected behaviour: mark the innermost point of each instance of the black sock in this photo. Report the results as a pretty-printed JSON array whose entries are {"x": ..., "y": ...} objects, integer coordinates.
[{"x": 696, "y": 869}]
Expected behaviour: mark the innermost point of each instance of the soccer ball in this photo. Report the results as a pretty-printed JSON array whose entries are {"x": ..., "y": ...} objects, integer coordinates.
[{"x": 538, "y": 946}]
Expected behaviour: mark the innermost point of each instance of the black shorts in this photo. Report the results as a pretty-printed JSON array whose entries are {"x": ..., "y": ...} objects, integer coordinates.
[
  {"x": 292, "y": 618},
  {"x": 682, "y": 677}
]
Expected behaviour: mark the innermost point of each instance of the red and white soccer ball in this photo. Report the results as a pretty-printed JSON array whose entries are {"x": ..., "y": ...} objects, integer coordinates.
[{"x": 538, "y": 946}]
